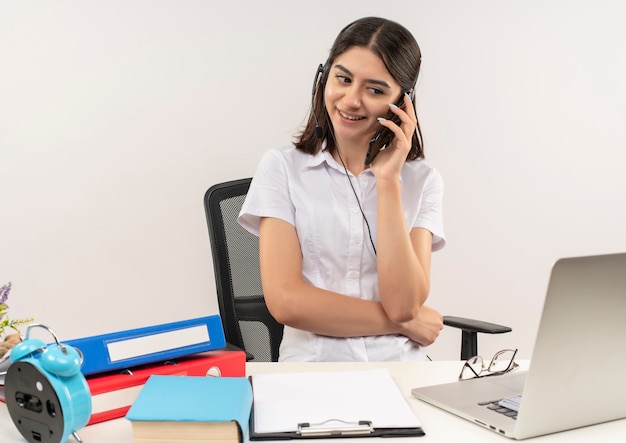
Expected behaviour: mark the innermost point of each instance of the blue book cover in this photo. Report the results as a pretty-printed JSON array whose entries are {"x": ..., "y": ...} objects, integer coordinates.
[
  {"x": 151, "y": 344},
  {"x": 172, "y": 398}
]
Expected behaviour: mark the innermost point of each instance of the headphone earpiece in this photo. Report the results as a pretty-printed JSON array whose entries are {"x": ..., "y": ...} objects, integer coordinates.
[
  {"x": 325, "y": 71},
  {"x": 319, "y": 83},
  {"x": 321, "y": 76}
]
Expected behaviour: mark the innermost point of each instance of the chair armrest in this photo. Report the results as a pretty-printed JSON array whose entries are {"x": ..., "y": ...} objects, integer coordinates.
[
  {"x": 469, "y": 324},
  {"x": 469, "y": 332}
]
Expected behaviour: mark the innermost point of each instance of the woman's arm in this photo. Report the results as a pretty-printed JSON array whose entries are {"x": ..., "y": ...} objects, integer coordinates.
[
  {"x": 298, "y": 304},
  {"x": 403, "y": 258}
]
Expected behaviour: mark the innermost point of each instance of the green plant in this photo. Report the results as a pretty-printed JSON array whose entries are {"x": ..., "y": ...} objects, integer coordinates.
[{"x": 5, "y": 322}]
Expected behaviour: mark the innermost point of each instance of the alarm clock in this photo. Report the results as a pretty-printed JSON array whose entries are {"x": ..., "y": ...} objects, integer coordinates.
[{"x": 46, "y": 393}]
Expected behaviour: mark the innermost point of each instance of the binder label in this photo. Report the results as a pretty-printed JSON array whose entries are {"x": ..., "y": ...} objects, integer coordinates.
[{"x": 157, "y": 342}]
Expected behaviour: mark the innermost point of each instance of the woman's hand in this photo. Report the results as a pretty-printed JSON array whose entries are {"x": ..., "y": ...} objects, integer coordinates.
[
  {"x": 389, "y": 160},
  {"x": 425, "y": 328}
]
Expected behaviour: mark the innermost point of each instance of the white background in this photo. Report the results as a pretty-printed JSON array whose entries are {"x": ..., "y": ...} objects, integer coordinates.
[{"x": 116, "y": 116}]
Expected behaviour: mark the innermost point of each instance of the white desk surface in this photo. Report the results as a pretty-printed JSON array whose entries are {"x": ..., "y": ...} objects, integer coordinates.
[{"x": 439, "y": 425}]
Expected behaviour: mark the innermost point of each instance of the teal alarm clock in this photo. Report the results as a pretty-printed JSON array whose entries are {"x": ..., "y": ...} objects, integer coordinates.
[{"x": 46, "y": 393}]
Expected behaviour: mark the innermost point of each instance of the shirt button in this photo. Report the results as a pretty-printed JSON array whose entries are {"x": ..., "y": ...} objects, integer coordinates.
[
  {"x": 355, "y": 210},
  {"x": 358, "y": 241},
  {"x": 353, "y": 275}
]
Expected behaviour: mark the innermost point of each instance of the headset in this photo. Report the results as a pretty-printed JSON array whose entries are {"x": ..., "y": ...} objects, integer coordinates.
[
  {"x": 381, "y": 138},
  {"x": 46, "y": 393}
]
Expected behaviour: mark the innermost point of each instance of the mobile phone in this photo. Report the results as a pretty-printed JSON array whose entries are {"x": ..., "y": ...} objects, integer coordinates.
[{"x": 383, "y": 136}]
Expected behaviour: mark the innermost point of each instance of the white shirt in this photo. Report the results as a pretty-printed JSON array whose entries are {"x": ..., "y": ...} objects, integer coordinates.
[{"x": 313, "y": 193}]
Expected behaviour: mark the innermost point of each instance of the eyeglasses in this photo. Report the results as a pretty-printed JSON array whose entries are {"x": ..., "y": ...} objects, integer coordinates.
[{"x": 501, "y": 363}]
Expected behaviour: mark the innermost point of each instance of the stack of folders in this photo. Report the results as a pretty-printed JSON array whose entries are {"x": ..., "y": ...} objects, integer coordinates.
[
  {"x": 117, "y": 365},
  {"x": 192, "y": 409}
]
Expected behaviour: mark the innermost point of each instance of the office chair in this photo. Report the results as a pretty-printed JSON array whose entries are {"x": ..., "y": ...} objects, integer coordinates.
[{"x": 248, "y": 324}]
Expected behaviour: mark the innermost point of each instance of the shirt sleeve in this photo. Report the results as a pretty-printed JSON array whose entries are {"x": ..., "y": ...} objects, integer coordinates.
[
  {"x": 430, "y": 215},
  {"x": 268, "y": 195}
]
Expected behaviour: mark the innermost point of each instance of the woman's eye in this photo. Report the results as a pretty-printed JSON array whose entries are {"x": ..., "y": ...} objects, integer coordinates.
[
  {"x": 376, "y": 91},
  {"x": 343, "y": 79}
]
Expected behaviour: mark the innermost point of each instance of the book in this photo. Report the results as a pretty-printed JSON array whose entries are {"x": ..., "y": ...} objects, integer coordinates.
[
  {"x": 151, "y": 344},
  {"x": 112, "y": 394},
  {"x": 173, "y": 409}
]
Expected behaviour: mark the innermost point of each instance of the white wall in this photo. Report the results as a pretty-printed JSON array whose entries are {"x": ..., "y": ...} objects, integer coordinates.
[{"x": 116, "y": 116}]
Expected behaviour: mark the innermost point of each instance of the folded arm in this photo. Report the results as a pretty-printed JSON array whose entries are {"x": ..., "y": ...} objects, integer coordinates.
[{"x": 294, "y": 302}]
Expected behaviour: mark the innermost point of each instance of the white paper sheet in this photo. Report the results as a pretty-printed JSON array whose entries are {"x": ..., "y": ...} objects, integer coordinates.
[{"x": 283, "y": 400}]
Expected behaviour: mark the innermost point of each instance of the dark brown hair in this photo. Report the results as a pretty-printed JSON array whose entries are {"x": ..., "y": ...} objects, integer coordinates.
[{"x": 401, "y": 55}]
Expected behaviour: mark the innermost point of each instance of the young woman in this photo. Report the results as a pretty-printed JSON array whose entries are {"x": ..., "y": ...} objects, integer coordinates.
[{"x": 348, "y": 216}]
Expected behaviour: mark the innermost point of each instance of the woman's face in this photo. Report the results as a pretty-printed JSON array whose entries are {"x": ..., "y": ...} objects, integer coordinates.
[{"x": 359, "y": 89}]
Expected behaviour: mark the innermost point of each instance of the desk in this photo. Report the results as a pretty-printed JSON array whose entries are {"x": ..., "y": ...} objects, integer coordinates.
[{"x": 439, "y": 425}]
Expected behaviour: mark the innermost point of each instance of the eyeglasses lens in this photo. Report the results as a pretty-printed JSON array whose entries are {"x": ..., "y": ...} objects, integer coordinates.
[
  {"x": 473, "y": 367},
  {"x": 501, "y": 362}
]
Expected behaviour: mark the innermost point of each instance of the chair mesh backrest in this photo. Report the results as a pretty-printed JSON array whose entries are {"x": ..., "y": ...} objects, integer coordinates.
[{"x": 247, "y": 322}]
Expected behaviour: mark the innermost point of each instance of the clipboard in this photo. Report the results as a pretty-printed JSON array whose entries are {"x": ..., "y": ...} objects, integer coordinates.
[
  {"x": 333, "y": 400},
  {"x": 334, "y": 429}
]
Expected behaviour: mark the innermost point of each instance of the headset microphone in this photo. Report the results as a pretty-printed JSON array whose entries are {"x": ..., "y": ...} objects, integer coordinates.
[{"x": 318, "y": 128}]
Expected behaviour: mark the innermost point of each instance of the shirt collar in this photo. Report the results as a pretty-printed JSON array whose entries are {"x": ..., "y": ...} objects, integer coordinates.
[{"x": 324, "y": 156}]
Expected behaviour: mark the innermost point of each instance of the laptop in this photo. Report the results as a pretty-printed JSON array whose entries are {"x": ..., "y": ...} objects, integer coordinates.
[{"x": 576, "y": 372}]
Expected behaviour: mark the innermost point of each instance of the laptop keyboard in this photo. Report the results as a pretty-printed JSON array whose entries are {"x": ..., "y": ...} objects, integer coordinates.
[{"x": 505, "y": 406}]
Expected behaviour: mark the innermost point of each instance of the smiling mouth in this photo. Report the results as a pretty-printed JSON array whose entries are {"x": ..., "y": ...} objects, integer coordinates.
[{"x": 350, "y": 117}]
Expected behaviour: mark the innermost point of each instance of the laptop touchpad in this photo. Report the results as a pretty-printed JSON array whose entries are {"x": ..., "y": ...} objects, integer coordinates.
[{"x": 515, "y": 382}]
